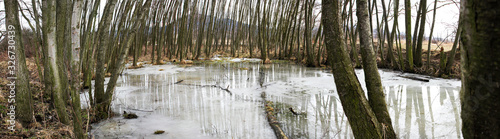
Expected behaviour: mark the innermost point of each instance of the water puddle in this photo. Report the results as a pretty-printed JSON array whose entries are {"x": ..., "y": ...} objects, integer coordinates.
[{"x": 223, "y": 100}]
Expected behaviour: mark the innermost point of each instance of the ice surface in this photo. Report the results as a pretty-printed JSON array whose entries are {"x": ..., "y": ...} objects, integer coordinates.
[{"x": 191, "y": 110}]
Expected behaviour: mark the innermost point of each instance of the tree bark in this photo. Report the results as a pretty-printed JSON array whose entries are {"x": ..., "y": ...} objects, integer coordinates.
[
  {"x": 409, "y": 49},
  {"x": 430, "y": 36},
  {"x": 62, "y": 46},
  {"x": 24, "y": 111},
  {"x": 451, "y": 57},
  {"x": 51, "y": 59},
  {"x": 376, "y": 94},
  {"x": 418, "y": 49},
  {"x": 479, "y": 63},
  {"x": 363, "y": 122},
  {"x": 103, "y": 35},
  {"x": 76, "y": 68}
]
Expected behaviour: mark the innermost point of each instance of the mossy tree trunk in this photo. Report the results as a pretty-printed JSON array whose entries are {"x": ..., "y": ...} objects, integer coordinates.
[
  {"x": 364, "y": 123},
  {"x": 76, "y": 68},
  {"x": 409, "y": 49},
  {"x": 103, "y": 36},
  {"x": 63, "y": 47},
  {"x": 418, "y": 49},
  {"x": 479, "y": 95},
  {"x": 24, "y": 111},
  {"x": 376, "y": 94},
  {"x": 51, "y": 60}
]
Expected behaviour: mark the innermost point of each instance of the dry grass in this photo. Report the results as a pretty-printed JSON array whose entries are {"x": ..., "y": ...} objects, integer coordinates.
[{"x": 434, "y": 47}]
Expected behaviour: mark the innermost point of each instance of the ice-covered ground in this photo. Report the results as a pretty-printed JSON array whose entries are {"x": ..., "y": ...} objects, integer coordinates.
[{"x": 190, "y": 110}]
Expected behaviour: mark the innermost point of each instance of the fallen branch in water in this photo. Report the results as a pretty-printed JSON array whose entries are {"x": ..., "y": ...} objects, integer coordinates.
[
  {"x": 178, "y": 82},
  {"x": 271, "y": 118},
  {"x": 216, "y": 86},
  {"x": 270, "y": 112},
  {"x": 291, "y": 110},
  {"x": 415, "y": 78},
  {"x": 139, "y": 110}
]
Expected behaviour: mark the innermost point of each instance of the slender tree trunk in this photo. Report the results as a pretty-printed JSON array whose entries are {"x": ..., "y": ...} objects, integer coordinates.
[
  {"x": 430, "y": 36},
  {"x": 479, "y": 95},
  {"x": 307, "y": 34},
  {"x": 364, "y": 123},
  {"x": 390, "y": 35},
  {"x": 409, "y": 52},
  {"x": 418, "y": 49},
  {"x": 451, "y": 57},
  {"x": 103, "y": 35},
  {"x": 52, "y": 60},
  {"x": 376, "y": 94},
  {"x": 62, "y": 46},
  {"x": 76, "y": 65},
  {"x": 199, "y": 40},
  {"x": 24, "y": 110}
]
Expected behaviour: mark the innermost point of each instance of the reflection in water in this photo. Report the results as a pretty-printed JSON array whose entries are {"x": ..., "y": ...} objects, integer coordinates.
[
  {"x": 309, "y": 91},
  {"x": 455, "y": 111}
]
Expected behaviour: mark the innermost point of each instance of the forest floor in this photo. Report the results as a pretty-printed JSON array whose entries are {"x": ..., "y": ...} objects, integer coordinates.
[{"x": 47, "y": 125}]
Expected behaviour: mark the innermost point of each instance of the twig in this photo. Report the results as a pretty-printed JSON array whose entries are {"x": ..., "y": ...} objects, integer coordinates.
[
  {"x": 215, "y": 86},
  {"x": 178, "y": 82},
  {"x": 291, "y": 110}
]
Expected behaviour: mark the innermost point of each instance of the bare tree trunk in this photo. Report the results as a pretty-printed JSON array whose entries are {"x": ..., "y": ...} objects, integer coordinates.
[
  {"x": 418, "y": 49},
  {"x": 479, "y": 95},
  {"x": 451, "y": 57},
  {"x": 430, "y": 36},
  {"x": 364, "y": 123},
  {"x": 49, "y": 18},
  {"x": 103, "y": 35},
  {"x": 61, "y": 42},
  {"x": 75, "y": 68},
  {"x": 24, "y": 110},
  {"x": 376, "y": 94},
  {"x": 409, "y": 49}
]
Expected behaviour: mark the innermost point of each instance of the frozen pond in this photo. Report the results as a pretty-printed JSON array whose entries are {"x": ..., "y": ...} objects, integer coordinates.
[{"x": 198, "y": 107}]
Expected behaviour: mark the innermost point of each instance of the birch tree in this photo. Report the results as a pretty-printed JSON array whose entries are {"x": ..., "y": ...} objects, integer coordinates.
[{"x": 75, "y": 68}]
